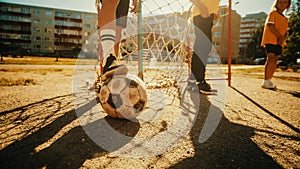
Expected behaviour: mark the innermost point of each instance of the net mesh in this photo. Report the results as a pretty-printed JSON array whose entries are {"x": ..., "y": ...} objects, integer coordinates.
[{"x": 166, "y": 41}]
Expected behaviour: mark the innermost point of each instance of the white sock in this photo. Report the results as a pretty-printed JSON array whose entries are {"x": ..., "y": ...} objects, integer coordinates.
[{"x": 107, "y": 37}]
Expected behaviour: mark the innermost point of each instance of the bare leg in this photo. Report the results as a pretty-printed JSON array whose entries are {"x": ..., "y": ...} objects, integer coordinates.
[
  {"x": 108, "y": 13},
  {"x": 118, "y": 40},
  {"x": 107, "y": 27},
  {"x": 270, "y": 66}
]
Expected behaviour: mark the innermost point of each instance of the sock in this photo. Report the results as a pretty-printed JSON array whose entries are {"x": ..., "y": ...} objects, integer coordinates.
[{"x": 107, "y": 37}]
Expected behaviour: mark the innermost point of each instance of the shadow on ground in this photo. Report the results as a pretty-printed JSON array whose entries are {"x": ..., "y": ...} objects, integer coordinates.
[
  {"x": 230, "y": 146},
  {"x": 69, "y": 150}
]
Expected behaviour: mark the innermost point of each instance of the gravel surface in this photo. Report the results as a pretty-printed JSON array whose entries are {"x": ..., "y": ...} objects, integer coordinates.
[{"x": 47, "y": 123}]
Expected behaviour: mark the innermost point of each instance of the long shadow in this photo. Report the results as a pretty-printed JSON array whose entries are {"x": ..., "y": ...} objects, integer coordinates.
[
  {"x": 68, "y": 151},
  {"x": 267, "y": 111},
  {"x": 293, "y": 93},
  {"x": 230, "y": 145}
]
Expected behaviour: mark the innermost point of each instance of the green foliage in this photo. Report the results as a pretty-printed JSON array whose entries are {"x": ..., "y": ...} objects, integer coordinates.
[
  {"x": 254, "y": 48},
  {"x": 292, "y": 49}
]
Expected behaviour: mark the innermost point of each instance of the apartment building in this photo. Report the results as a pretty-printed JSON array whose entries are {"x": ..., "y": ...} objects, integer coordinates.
[
  {"x": 220, "y": 35},
  {"x": 248, "y": 24},
  {"x": 45, "y": 31}
]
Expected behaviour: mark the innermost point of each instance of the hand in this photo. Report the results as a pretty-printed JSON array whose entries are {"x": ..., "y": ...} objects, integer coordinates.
[
  {"x": 216, "y": 16},
  {"x": 135, "y": 8},
  {"x": 280, "y": 40}
]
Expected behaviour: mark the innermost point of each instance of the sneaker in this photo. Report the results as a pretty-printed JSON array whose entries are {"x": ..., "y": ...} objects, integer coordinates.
[
  {"x": 204, "y": 86},
  {"x": 267, "y": 84},
  {"x": 111, "y": 68}
]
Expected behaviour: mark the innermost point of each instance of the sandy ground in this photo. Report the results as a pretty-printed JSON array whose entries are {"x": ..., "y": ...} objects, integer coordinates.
[{"x": 48, "y": 122}]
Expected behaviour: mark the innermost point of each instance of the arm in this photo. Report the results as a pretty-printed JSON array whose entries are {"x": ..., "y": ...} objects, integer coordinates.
[
  {"x": 135, "y": 4},
  {"x": 204, "y": 11}
]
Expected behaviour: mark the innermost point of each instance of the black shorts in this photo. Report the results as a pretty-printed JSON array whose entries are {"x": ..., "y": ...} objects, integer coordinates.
[
  {"x": 121, "y": 13},
  {"x": 276, "y": 49}
]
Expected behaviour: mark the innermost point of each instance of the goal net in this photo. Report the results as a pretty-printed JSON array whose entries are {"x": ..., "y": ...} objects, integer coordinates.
[{"x": 159, "y": 42}]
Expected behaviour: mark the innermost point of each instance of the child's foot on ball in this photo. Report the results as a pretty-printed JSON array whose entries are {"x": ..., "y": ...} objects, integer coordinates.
[{"x": 111, "y": 68}]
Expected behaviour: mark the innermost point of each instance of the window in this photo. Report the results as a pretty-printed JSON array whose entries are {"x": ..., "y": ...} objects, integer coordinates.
[
  {"x": 26, "y": 37},
  {"x": 49, "y": 47},
  {"x": 87, "y": 25},
  {"x": 216, "y": 43},
  {"x": 48, "y": 13},
  {"x": 48, "y": 30},
  {"x": 25, "y": 19},
  {"x": 16, "y": 18},
  {"x": 38, "y": 38},
  {"x": 77, "y": 15},
  {"x": 245, "y": 35},
  {"x": 16, "y": 27},
  {"x": 15, "y": 9},
  {"x": 60, "y": 14},
  {"x": 58, "y": 22},
  {"x": 48, "y": 38},
  {"x": 4, "y": 9},
  {"x": 88, "y": 17},
  {"x": 35, "y": 29},
  {"x": 217, "y": 34},
  {"x": 257, "y": 25},
  {"x": 36, "y": 12},
  {"x": 37, "y": 21},
  {"x": 25, "y": 10},
  {"x": 48, "y": 22}
]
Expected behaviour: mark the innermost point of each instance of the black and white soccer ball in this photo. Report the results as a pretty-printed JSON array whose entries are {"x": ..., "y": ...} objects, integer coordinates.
[{"x": 123, "y": 96}]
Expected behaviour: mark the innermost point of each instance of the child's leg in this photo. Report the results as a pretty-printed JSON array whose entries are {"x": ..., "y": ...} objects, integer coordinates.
[
  {"x": 270, "y": 66},
  {"x": 108, "y": 26},
  {"x": 118, "y": 40},
  {"x": 108, "y": 13}
]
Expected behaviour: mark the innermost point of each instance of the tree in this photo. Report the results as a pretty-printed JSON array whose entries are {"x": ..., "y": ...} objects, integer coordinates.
[
  {"x": 292, "y": 49},
  {"x": 254, "y": 48}
]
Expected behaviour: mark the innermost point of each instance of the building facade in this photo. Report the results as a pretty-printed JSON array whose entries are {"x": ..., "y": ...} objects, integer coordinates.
[
  {"x": 45, "y": 31},
  {"x": 248, "y": 24},
  {"x": 220, "y": 35}
]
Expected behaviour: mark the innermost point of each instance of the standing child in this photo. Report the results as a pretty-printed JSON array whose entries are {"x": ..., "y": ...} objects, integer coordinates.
[
  {"x": 273, "y": 39},
  {"x": 204, "y": 13}
]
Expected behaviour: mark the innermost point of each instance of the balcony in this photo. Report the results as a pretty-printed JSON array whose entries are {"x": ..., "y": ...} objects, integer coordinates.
[
  {"x": 68, "y": 27},
  {"x": 15, "y": 13},
  {"x": 68, "y": 19},
  {"x": 26, "y": 32},
  {"x": 56, "y": 35},
  {"x": 67, "y": 44},
  {"x": 6, "y": 22},
  {"x": 16, "y": 40}
]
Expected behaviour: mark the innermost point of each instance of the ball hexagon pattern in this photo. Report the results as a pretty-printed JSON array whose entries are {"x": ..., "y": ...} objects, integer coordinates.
[{"x": 123, "y": 96}]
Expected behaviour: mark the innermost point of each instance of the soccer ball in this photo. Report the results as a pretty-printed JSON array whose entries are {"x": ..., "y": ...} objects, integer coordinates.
[{"x": 123, "y": 96}]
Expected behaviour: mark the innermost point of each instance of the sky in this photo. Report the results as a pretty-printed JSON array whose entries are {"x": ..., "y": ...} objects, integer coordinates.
[{"x": 242, "y": 7}]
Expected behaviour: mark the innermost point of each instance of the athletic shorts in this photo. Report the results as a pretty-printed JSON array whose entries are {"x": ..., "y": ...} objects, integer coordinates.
[
  {"x": 122, "y": 12},
  {"x": 276, "y": 49}
]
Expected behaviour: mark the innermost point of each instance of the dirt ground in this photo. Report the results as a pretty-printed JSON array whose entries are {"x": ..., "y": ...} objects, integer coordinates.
[{"x": 45, "y": 122}]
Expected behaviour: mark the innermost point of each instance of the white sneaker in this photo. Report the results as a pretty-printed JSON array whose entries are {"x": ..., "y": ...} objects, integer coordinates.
[{"x": 267, "y": 84}]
